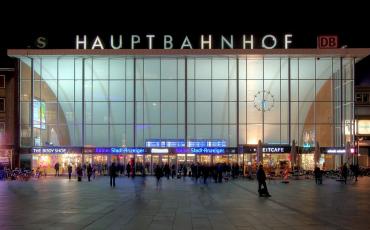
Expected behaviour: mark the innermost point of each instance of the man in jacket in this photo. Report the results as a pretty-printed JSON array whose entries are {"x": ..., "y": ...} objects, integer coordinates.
[
  {"x": 261, "y": 177},
  {"x": 112, "y": 174}
]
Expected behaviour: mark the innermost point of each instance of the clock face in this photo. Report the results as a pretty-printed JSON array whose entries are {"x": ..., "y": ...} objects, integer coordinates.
[{"x": 264, "y": 101}]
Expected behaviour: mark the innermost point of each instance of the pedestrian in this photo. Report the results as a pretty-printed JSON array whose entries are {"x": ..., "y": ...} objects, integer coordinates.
[
  {"x": 261, "y": 177},
  {"x": 121, "y": 169},
  {"x": 345, "y": 173},
  {"x": 79, "y": 173},
  {"x": 112, "y": 174},
  {"x": 205, "y": 172},
  {"x": 56, "y": 167},
  {"x": 197, "y": 172},
  {"x": 219, "y": 172},
  {"x": 69, "y": 171},
  {"x": 317, "y": 173},
  {"x": 184, "y": 171},
  {"x": 250, "y": 171},
  {"x": 356, "y": 170},
  {"x": 89, "y": 172},
  {"x": 167, "y": 171},
  {"x": 158, "y": 174},
  {"x": 94, "y": 171},
  {"x": 84, "y": 169},
  {"x": 128, "y": 169},
  {"x": 173, "y": 171}
]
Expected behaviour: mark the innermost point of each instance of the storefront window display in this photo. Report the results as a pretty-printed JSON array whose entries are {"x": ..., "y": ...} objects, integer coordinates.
[
  {"x": 46, "y": 162},
  {"x": 276, "y": 163}
]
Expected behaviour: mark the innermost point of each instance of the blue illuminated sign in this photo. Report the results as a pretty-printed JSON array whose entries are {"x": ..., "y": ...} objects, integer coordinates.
[
  {"x": 204, "y": 150},
  {"x": 208, "y": 150},
  {"x": 173, "y": 143},
  {"x": 182, "y": 150},
  {"x": 120, "y": 150}
]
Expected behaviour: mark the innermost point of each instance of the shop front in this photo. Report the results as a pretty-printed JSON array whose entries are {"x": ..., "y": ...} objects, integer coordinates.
[
  {"x": 45, "y": 159},
  {"x": 6, "y": 156},
  {"x": 275, "y": 158},
  {"x": 207, "y": 155},
  {"x": 131, "y": 159},
  {"x": 332, "y": 158}
]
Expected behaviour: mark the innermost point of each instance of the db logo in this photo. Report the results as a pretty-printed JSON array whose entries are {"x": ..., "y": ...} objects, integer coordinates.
[{"x": 327, "y": 42}]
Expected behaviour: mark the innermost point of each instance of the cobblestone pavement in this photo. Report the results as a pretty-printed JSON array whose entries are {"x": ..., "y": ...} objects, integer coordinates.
[{"x": 57, "y": 203}]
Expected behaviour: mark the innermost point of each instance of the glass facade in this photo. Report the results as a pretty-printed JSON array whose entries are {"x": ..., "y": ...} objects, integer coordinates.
[{"x": 125, "y": 101}]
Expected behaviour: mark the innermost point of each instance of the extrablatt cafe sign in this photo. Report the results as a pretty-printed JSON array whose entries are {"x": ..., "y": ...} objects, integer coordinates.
[{"x": 267, "y": 149}]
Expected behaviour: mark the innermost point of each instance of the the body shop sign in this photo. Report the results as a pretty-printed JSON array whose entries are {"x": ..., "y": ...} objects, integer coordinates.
[{"x": 55, "y": 150}]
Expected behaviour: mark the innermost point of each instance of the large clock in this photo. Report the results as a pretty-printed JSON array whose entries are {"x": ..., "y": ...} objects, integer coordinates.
[{"x": 264, "y": 101}]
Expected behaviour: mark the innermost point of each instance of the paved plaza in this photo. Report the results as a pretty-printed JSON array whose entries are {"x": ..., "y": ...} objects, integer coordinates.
[{"x": 57, "y": 203}]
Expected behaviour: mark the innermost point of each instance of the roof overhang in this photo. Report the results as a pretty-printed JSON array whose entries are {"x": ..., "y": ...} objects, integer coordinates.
[{"x": 343, "y": 52}]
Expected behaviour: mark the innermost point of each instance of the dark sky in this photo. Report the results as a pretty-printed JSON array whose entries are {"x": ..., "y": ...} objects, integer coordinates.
[{"x": 62, "y": 22}]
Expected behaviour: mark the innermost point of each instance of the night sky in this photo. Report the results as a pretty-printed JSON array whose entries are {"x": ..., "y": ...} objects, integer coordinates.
[{"x": 60, "y": 27}]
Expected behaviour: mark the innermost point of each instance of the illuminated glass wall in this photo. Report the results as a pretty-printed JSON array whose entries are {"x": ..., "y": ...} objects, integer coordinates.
[{"x": 123, "y": 101}]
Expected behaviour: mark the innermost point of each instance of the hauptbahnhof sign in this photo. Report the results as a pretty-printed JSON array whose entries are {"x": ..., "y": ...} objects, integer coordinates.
[{"x": 167, "y": 41}]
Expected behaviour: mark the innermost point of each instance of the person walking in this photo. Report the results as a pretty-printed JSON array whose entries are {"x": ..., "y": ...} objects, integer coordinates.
[
  {"x": 89, "y": 172},
  {"x": 167, "y": 171},
  {"x": 112, "y": 174},
  {"x": 356, "y": 170},
  {"x": 261, "y": 177},
  {"x": 318, "y": 176},
  {"x": 56, "y": 167},
  {"x": 69, "y": 171},
  {"x": 173, "y": 171},
  {"x": 205, "y": 172},
  {"x": 94, "y": 171},
  {"x": 158, "y": 174},
  {"x": 345, "y": 173},
  {"x": 184, "y": 171},
  {"x": 128, "y": 169},
  {"x": 79, "y": 173}
]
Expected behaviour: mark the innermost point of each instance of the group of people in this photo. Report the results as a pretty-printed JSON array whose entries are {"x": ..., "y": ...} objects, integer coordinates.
[
  {"x": 353, "y": 170},
  {"x": 81, "y": 170},
  {"x": 218, "y": 172},
  {"x": 344, "y": 172}
]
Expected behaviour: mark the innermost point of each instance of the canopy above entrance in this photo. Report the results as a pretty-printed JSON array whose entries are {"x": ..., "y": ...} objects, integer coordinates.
[{"x": 348, "y": 52}]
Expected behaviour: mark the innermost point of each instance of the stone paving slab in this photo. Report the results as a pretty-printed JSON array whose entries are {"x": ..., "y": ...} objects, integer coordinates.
[{"x": 57, "y": 203}]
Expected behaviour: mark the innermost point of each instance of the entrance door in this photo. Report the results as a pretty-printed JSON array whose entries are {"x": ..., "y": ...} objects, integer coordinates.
[
  {"x": 139, "y": 165},
  {"x": 129, "y": 160},
  {"x": 190, "y": 159},
  {"x": 205, "y": 159},
  {"x": 159, "y": 159},
  {"x": 220, "y": 159},
  {"x": 148, "y": 163}
]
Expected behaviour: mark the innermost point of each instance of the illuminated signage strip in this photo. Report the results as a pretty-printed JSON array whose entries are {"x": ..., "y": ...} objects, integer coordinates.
[
  {"x": 209, "y": 41},
  {"x": 124, "y": 150},
  {"x": 268, "y": 149},
  {"x": 206, "y": 150},
  {"x": 159, "y": 150},
  {"x": 363, "y": 127},
  {"x": 120, "y": 150},
  {"x": 334, "y": 150},
  {"x": 56, "y": 150}
]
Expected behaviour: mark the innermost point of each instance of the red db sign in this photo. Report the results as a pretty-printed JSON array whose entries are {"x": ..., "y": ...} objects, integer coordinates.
[{"x": 327, "y": 42}]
